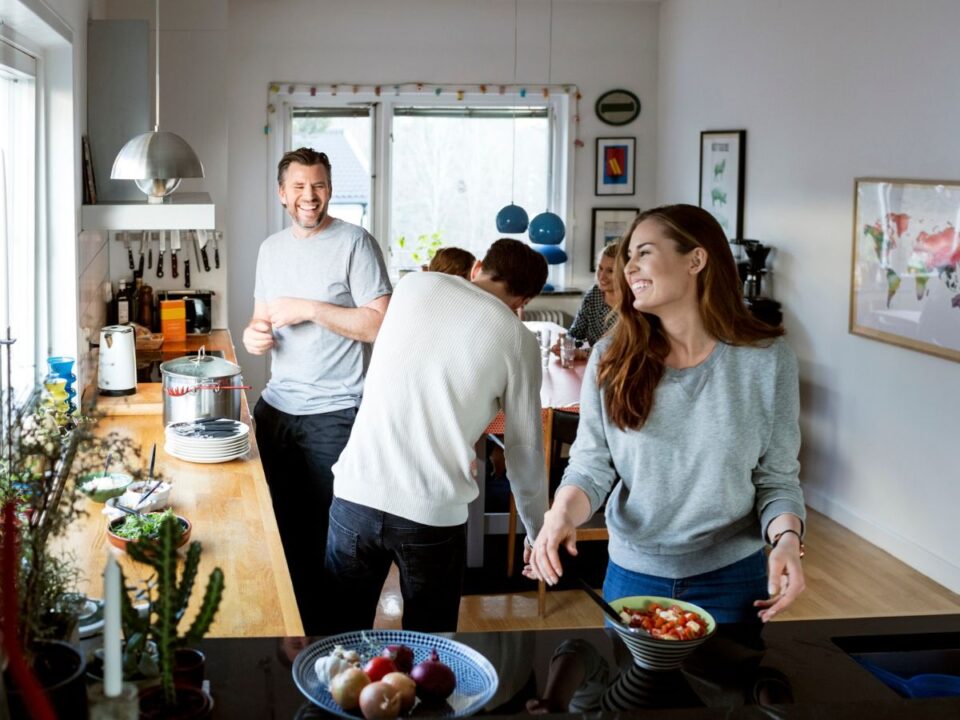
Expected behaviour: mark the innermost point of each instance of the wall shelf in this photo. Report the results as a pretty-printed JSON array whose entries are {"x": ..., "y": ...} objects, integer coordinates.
[{"x": 181, "y": 211}]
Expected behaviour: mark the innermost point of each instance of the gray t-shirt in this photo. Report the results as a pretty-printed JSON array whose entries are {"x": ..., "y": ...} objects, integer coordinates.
[
  {"x": 714, "y": 463},
  {"x": 315, "y": 370}
]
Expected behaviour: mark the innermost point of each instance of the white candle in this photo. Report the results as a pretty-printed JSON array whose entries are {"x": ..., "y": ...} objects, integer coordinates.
[{"x": 112, "y": 652}]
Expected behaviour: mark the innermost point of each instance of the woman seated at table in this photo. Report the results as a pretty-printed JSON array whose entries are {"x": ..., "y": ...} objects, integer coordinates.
[
  {"x": 453, "y": 261},
  {"x": 694, "y": 405},
  {"x": 597, "y": 311}
]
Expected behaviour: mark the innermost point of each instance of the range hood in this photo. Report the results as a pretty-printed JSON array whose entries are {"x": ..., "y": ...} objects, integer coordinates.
[{"x": 179, "y": 211}]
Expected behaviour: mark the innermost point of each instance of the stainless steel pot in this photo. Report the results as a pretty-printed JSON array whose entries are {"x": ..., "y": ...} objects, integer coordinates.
[{"x": 201, "y": 386}]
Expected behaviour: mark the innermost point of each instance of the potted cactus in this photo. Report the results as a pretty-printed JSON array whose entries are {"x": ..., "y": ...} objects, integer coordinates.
[{"x": 168, "y": 604}]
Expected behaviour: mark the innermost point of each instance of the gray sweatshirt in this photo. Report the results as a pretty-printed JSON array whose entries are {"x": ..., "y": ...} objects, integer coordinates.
[{"x": 715, "y": 462}]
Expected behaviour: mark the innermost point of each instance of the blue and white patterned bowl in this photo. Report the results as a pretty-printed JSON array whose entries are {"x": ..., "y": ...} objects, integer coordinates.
[{"x": 476, "y": 678}]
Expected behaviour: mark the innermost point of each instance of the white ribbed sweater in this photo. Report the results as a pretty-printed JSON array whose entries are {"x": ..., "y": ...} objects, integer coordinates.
[{"x": 448, "y": 356}]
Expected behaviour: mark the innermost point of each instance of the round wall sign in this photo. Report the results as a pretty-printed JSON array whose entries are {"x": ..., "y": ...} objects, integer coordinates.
[{"x": 618, "y": 107}]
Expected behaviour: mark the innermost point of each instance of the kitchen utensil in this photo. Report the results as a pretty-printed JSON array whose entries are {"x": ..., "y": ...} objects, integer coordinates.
[
  {"x": 217, "y": 237},
  {"x": 476, "y": 678},
  {"x": 219, "y": 385},
  {"x": 186, "y": 272},
  {"x": 128, "y": 511},
  {"x": 202, "y": 240},
  {"x": 142, "y": 256},
  {"x": 174, "y": 249},
  {"x": 162, "y": 239},
  {"x": 604, "y": 605},
  {"x": 150, "y": 238},
  {"x": 125, "y": 237},
  {"x": 106, "y": 463},
  {"x": 117, "y": 373}
]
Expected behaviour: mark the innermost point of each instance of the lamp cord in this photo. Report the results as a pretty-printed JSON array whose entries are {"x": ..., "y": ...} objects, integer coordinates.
[
  {"x": 156, "y": 84},
  {"x": 513, "y": 141}
]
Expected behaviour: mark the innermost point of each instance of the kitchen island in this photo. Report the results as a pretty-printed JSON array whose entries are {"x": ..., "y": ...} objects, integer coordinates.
[
  {"x": 230, "y": 508},
  {"x": 790, "y": 669}
]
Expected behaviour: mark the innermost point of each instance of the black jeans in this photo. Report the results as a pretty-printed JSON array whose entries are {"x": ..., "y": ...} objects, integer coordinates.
[
  {"x": 361, "y": 544},
  {"x": 297, "y": 452}
]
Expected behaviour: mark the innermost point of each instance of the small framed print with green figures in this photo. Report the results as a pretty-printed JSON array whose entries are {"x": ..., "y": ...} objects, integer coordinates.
[
  {"x": 905, "y": 279},
  {"x": 722, "y": 170}
]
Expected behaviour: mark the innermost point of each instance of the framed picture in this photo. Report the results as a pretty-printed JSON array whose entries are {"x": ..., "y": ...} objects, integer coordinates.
[
  {"x": 905, "y": 279},
  {"x": 616, "y": 165},
  {"x": 722, "y": 169},
  {"x": 609, "y": 225}
]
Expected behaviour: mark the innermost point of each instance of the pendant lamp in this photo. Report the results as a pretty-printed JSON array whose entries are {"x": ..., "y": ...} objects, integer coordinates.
[
  {"x": 513, "y": 218},
  {"x": 156, "y": 161}
]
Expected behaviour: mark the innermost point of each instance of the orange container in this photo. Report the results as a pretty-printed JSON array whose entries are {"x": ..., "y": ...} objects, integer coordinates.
[{"x": 173, "y": 320}]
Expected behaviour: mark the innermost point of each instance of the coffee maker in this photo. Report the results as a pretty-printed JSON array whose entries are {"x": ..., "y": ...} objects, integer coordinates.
[{"x": 752, "y": 272}]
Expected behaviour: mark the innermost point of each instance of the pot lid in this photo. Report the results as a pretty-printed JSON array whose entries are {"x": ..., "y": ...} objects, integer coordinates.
[{"x": 200, "y": 366}]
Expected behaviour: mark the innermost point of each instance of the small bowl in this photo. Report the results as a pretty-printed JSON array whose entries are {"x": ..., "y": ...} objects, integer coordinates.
[
  {"x": 100, "y": 487},
  {"x": 657, "y": 653},
  {"x": 158, "y": 498},
  {"x": 121, "y": 542}
]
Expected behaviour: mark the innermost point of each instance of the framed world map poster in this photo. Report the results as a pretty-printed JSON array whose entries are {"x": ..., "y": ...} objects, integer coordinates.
[{"x": 905, "y": 283}]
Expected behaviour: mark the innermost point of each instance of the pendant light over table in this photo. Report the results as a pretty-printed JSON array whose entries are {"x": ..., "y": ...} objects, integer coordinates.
[{"x": 157, "y": 161}]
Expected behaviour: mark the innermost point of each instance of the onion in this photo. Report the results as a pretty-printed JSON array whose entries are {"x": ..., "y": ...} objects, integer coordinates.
[
  {"x": 346, "y": 687},
  {"x": 435, "y": 681},
  {"x": 401, "y": 655},
  {"x": 380, "y": 701},
  {"x": 406, "y": 688}
]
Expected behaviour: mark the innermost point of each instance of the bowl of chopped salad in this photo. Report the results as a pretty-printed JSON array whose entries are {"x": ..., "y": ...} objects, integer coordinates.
[
  {"x": 131, "y": 528},
  {"x": 661, "y": 632}
]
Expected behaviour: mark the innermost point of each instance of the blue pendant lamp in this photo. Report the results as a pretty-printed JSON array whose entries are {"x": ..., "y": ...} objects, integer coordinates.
[
  {"x": 546, "y": 233},
  {"x": 512, "y": 219}
]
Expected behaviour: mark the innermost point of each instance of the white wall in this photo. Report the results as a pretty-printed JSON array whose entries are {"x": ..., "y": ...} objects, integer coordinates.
[
  {"x": 829, "y": 91},
  {"x": 597, "y": 45}
]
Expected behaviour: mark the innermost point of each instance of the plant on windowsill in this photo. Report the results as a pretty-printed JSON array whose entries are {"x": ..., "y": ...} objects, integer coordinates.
[
  {"x": 424, "y": 248},
  {"x": 39, "y": 459},
  {"x": 169, "y": 598}
]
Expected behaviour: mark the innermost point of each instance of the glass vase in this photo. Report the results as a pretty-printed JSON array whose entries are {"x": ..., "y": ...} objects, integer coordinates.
[{"x": 62, "y": 366}]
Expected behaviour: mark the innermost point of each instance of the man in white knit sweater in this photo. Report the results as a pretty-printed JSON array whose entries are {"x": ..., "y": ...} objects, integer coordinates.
[{"x": 450, "y": 354}]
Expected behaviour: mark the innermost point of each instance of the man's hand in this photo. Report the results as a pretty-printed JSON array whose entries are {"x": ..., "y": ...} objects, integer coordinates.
[
  {"x": 258, "y": 337},
  {"x": 290, "y": 311}
]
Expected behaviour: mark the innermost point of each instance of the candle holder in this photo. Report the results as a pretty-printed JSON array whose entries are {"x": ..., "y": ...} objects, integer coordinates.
[{"x": 125, "y": 706}]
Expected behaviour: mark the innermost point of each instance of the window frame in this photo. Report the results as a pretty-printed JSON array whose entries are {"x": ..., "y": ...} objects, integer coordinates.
[{"x": 560, "y": 172}]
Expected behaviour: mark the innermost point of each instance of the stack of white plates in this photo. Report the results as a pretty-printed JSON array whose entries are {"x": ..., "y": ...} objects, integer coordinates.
[{"x": 208, "y": 441}]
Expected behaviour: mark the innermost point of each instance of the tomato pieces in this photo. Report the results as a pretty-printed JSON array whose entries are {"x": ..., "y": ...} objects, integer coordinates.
[{"x": 673, "y": 623}]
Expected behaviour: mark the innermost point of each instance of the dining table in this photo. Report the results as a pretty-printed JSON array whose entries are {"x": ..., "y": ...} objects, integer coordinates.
[{"x": 559, "y": 390}]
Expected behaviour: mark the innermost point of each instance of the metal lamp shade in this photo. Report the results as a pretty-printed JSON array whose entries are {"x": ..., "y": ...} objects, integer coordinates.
[{"x": 156, "y": 161}]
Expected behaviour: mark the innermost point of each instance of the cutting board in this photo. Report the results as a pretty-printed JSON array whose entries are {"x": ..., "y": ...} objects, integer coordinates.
[{"x": 148, "y": 400}]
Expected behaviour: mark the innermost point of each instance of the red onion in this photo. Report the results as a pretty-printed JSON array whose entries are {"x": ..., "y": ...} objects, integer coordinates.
[{"x": 435, "y": 681}]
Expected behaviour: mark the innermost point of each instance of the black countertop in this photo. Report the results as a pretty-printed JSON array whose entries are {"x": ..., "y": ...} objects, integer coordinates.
[{"x": 789, "y": 669}]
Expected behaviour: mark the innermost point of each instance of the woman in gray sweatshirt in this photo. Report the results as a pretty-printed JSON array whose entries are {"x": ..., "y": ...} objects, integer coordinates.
[{"x": 693, "y": 405}]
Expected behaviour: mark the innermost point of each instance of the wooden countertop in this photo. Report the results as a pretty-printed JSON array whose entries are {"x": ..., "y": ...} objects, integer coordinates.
[{"x": 232, "y": 514}]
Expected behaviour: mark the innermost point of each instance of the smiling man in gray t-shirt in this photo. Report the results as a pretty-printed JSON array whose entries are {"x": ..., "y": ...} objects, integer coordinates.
[{"x": 320, "y": 295}]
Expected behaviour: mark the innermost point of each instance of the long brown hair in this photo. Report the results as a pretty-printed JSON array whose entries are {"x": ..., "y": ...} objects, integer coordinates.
[{"x": 633, "y": 364}]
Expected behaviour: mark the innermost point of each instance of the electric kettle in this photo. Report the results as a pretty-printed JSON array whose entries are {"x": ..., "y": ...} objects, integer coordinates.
[{"x": 117, "y": 373}]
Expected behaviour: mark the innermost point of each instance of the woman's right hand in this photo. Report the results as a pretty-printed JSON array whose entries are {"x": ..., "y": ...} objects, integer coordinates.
[{"x": 558, "y": 529}]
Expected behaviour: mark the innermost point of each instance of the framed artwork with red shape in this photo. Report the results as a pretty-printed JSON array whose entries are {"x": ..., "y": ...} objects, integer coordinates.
[{"x": 616, "y": 166}]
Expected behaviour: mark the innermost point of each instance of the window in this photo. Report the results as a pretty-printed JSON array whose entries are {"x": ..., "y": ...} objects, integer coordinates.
[
  {"x": 432, "y": 167},
  {"x": 18, "y": 245}
]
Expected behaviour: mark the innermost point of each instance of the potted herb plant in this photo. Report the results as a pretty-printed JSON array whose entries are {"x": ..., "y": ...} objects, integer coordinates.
[
  {"x": 168, "y": 602},
  {"x": 38, "y": 460}
]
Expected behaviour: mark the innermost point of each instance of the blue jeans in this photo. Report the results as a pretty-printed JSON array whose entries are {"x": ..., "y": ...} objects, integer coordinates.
[
  {"x": 727, "y": 593},
  {"x": 298, "y": 452},
  {"x": 362, "y": 543}
]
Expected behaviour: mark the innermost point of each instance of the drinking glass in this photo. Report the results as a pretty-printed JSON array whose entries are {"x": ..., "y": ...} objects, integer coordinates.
[{"x": 568, "y": 349}]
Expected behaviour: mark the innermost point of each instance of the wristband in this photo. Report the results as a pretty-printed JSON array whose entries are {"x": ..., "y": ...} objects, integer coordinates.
[{"x": 776, "y": 539}]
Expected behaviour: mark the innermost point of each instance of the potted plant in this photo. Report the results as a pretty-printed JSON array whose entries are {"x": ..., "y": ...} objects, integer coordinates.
[
  {"x": 39, "y": 458},
  {"x": 168, "y": 602}
]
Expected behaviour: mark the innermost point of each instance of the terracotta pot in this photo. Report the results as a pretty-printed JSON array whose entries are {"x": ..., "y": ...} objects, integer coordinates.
[
  {"x": 119, "y": 542},
  {"x": 192, "y": 704},
  {"x": 59, "y": 667}
]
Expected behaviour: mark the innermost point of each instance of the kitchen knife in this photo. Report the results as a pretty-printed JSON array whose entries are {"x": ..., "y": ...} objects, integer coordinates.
[
  {"x": 149, "y": 251},
  {"x": 186, "y": 272},
  {"x": 174, "y": 248},
  {"x": 196, "y": 249},
  {"x": 217, "y": 237},
  {"x": 162, "y": 237},
  {"x": 142, "y": 257},
  {"x": 126, "y": 244},
  {"x": 202, "y": 239}
]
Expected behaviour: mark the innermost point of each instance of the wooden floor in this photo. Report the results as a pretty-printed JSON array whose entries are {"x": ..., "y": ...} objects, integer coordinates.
[{"x": 846, "y": 577}]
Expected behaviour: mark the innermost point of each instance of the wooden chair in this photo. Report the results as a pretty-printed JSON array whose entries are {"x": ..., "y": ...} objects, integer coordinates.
[{"x": 559, "y": 429}]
